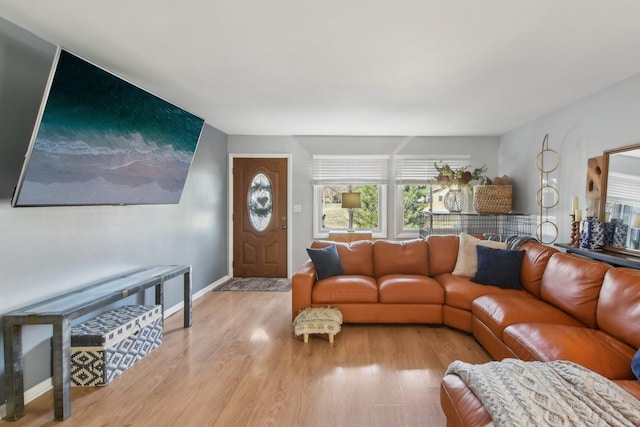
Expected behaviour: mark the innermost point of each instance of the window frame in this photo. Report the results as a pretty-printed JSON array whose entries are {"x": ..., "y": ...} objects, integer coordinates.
[
  {"x": 323, "y": 233},
  {"x": 418, "y": 171},
  {"x": 350, "y": 170}
]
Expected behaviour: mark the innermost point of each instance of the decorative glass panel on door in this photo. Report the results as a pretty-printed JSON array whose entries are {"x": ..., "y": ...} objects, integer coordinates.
[{"x": 260, "y": 199}]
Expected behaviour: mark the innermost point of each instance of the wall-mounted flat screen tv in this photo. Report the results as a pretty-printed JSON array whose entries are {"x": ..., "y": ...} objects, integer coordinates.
[{"x": 100, "y": 140}]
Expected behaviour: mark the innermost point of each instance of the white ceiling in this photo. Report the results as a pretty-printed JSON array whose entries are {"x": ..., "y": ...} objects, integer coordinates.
[{"x": 352, "y": 67}]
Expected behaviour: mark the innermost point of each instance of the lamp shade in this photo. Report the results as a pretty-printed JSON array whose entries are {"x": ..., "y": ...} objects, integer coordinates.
[
  {"x": 351, "y": 200},
  {"x": 635, "y": 220}
]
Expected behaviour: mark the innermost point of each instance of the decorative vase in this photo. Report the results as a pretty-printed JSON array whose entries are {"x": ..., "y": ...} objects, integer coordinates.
[
  {"x": 454, "y": 200},
  {"x": 592, "y": 234}
]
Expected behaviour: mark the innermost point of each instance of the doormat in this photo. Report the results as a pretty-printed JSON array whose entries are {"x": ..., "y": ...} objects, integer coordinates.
[{"x": 256, "y": 284}]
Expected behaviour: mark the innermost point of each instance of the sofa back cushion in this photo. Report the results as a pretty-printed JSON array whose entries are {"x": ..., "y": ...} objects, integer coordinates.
[
  {"x": 443, "y": 253},
  {"x": 536, "y": 257},
  {"x": 400, "y": 257},
  {"x": 619, "y": 305},
  {"x": 355, "y": 257},
  {"x": 573, "y": 285}
]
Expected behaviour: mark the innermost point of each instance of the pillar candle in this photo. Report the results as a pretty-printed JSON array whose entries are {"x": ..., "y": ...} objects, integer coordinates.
[
  {"x": 574, "y": 204},
  {"x": 578, "y": 214}
]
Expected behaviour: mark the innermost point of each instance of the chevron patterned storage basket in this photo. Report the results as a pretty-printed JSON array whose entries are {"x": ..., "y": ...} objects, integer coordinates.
[{"x": 105, "y": 346}]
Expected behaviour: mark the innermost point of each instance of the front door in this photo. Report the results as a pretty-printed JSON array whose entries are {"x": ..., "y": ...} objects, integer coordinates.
[{"x": 260, "y": 217}]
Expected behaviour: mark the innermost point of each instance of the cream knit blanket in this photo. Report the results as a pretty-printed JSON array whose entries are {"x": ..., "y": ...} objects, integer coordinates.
[{"x": 561, "y": 393}]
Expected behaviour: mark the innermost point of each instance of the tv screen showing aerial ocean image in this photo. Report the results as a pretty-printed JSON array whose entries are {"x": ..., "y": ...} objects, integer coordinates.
[{"x": 104, "y": 141}]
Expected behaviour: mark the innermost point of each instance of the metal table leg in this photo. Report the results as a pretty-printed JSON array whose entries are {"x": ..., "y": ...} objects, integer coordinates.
[
  {"x": 160, "y": 296},
  {"x": 187, "y": 299},
  {"x": 61, "y": 351},
  {"x": 14, "y": 372}
]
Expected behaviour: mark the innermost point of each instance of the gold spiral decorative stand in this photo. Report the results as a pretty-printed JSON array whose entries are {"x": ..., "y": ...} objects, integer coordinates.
[{"x": 547, "y": 197}]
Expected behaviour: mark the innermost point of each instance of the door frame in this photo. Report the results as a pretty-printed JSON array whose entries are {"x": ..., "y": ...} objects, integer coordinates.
[{"x": 230, "y": 194}]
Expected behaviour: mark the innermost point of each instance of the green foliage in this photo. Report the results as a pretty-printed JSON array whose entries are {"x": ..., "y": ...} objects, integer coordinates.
[
  {"x": 415, "y": 199},
  {"x": 367, "y": 216}
]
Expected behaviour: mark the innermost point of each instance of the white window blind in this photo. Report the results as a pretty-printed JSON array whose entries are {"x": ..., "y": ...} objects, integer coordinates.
[
  {"x": 623, "y": 188},
  {"x": 419, "y": 170},
  {"x": 350, "y": 170}
]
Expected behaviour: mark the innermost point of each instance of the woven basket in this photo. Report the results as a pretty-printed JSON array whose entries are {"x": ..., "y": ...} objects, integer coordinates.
[{"x": 494, "y": 199}]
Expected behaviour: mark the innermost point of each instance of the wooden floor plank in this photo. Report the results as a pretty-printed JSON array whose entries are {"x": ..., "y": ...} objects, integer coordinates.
[{"x": 240, "y": 364}]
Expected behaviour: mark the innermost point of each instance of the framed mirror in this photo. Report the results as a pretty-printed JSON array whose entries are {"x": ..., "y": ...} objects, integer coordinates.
[{"x": 620, "y": 199}]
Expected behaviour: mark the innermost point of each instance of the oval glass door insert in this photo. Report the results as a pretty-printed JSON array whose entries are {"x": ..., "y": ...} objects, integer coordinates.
[{"x": 260, "y": 199}]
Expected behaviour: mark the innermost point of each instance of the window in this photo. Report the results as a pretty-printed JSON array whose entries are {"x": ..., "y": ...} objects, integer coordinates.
[
  {"x": 415, "y": 192},
  {"x": 334, "y": 175},
  {"x": 334, "y": 217}
]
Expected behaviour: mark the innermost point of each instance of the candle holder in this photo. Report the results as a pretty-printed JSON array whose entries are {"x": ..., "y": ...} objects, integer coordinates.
[{"x": 575, "y": 231}]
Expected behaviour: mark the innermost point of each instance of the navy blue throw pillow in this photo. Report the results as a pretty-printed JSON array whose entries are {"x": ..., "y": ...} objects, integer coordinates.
[
  {"x": 326, "y": 261},
  {"x": 499, "y": 267},
  {"x": 635, "y": 364}
]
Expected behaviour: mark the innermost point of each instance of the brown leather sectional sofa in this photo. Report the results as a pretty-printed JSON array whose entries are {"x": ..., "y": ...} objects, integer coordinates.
[{"x": 570, "y": 308}]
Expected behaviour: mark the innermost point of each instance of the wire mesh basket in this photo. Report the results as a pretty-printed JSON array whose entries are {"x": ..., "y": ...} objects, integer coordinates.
[{"x": 498, "y": 225}]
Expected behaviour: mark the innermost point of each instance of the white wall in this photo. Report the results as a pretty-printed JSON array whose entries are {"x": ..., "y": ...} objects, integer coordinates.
[
  {"x": 579, "y": 131},
  {"x": 49, "y": 250},
  {"x": 483, "y": 150}
]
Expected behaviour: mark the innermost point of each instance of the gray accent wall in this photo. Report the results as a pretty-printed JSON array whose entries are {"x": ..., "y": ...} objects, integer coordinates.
[
  {"x": 579, "y": 131},
  {"x": 46, "y": 251},
  {"x": 483, "y": 150}
]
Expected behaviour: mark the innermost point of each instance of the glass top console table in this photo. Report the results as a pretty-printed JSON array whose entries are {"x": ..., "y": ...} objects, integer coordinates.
[
  {"x": 59, "y": 311},
  {"x": 614, "y": 258}
]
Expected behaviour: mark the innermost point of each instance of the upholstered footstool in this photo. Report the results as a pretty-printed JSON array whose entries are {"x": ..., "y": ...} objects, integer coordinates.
[{"x": 317, "y": 320}]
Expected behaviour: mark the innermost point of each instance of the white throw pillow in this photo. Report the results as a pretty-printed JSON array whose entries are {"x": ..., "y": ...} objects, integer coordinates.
[{"x": 467, "y": 262}]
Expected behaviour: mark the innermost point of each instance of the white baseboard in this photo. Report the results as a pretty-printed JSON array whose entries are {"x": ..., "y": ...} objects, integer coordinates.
[
  {"x": 46, "y": 385},
  {"x": 172, "y": 310},
  {"x": 216, "y": 284}
]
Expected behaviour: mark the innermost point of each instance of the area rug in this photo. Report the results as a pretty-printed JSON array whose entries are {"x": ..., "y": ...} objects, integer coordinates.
[{"x": 256, "y": 284}]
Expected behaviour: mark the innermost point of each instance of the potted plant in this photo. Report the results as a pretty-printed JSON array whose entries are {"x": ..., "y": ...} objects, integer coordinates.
[{"x": 454, "y": 180}]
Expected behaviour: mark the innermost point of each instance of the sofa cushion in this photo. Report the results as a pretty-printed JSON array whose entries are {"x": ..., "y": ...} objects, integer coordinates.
[
  {"x": 592, "y": 348},
  {"x": 400, "y": 257},
  {"x": 326, "y": 261},
  {"x": 573, "y": 284},
  {"x": 409, "y": 289},
  {"x": 355, "y": 257},
  {"x": 467, "y": 260},
  {"x": 345, "y": 289},
  {"x": 635, "y": 364},
  {"x": 631, "y": 386},
  {"x": 443, "y": 252},
  {"x": 499, "y": 267},
  {"x": 461, "y": 291},
  {"x": 497, "y": 311},
  {"x": 536, "y": 257},
  {"x": 618, "y": 311}
]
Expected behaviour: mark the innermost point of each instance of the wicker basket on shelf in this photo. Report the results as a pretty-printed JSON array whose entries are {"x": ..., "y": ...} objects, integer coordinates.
[{"x": 495, "y": 199}]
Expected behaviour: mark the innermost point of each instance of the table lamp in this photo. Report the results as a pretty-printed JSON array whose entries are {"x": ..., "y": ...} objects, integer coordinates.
[{"x": 351, "y": 201}]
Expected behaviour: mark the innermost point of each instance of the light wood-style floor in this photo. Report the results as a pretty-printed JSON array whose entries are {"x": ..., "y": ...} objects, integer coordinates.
[{"x": 241, "y": 365}]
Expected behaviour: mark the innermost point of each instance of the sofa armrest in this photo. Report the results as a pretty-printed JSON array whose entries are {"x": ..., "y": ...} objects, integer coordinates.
[
  {"x": 301, "y": 286},
  {"x": 460, "y": 405}
]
